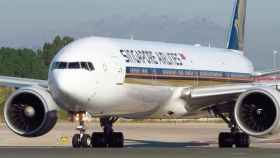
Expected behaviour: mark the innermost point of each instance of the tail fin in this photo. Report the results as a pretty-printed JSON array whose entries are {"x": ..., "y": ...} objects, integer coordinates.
[{"x": 237, "y": 27}]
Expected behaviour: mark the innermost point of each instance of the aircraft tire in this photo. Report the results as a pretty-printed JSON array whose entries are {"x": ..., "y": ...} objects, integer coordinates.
[
  {"x": 226, "y": 140},
  {"x": 117, "y": 140},
  {"x": 76, "y": 141},
  {"x": 86, "y": 141},
  {"x": 98, "y": 140},
  {"x": 242, "y": 140}
]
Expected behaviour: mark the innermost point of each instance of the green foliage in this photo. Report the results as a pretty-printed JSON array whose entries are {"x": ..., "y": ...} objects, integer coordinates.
[
  {"x": 4, "y": 93},
  {"x": 28, "y": 63},
  {"x": 21, "y": 63},
  {"x": 63, "y": 115}
]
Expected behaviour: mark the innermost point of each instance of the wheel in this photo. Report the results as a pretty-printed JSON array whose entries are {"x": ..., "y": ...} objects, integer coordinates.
[
  {"x": 242, "y": 140},
  {"x": 226, "y": 140},
  {"x": 85, "y": 141},
  {"x": 98, "y": 140},
  {"x": 76, "y": 141},
  {"x": 116, "y": 140}
]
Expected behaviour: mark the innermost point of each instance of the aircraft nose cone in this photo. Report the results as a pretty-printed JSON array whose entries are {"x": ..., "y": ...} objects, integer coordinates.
[
  {"x": 67, "y": 87},
  {"x": 62, "y": 83}
]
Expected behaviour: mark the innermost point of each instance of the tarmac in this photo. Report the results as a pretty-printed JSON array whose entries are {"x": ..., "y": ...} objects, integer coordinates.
[{"x": 142, "y": 140}]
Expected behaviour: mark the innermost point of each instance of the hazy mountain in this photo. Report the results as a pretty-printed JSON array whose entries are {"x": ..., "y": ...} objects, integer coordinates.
[{"x": 155, "y": 28}]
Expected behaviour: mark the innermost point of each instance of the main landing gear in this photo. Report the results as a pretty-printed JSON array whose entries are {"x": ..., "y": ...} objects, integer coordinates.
[
  {"x": 234, "y": 137},
  {"x": 105, "y": 139}
]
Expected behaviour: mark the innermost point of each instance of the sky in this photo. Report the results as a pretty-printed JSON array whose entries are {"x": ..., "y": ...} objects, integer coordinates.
[{"x": 30, "y": 23}]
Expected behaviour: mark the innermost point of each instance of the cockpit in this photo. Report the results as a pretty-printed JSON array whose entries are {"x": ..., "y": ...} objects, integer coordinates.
[{"x": 73, "y": 65}]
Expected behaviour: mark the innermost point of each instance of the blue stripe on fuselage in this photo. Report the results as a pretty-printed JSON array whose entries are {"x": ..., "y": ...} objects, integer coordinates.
[{"x": 169, "y": 73}]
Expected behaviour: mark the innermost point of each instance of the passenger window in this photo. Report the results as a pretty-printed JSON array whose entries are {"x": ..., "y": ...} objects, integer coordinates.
[
  {"x": 84, "y": 65},
  {"x": 74, "y": 65},
  {"x": 61, "y": 65},
  {"x": 91, "y": 67}
]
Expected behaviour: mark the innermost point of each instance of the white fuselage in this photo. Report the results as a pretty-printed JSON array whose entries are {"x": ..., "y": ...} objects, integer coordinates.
[{"x": 139, "y": 79}]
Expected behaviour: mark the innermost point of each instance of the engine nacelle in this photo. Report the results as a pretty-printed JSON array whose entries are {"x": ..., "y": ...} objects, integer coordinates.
[
  {"x": 30, "y": 112},
  {"x": 257, "y": 112}
]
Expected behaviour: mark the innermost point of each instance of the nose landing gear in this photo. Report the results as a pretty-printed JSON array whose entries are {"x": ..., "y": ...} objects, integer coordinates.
[
  {"x": 106, "y": 139},
  {"x": 81, "y": 139}
]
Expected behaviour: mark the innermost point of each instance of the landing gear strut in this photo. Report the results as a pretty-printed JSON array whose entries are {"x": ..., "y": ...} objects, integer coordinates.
[
  {"x": 234, "y": 137},
  {"x": 107, "y": 138}
]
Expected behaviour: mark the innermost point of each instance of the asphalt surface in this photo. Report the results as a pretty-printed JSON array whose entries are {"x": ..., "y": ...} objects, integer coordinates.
[
  {"x": 142, "y": 140},
  {"x": 56, "y": 152}
]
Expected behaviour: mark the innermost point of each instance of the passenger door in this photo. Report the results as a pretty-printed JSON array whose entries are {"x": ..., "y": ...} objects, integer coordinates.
[{"x": 117, "y": 69}]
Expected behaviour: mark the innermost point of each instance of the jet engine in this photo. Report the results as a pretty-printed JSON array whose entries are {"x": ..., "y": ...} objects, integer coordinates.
[
  {"x": 30, "y": 112},
  {"x": 257, "y": 112}
]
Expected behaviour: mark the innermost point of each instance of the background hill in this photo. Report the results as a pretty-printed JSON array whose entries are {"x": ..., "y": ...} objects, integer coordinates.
[{"x": 154, "y": 28}]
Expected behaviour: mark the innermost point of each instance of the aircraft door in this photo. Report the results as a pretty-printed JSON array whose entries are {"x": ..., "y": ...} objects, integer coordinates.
[{"x": 117, "y": 69}]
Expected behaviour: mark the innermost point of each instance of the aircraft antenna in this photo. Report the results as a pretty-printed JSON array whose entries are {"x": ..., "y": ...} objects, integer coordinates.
[
  {"x": 131, "y": 37},
  {"x": 209, "y": 44}
]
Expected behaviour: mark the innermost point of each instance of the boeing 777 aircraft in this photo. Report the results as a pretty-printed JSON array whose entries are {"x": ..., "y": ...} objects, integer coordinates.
[{"x": 117, "y": 78}]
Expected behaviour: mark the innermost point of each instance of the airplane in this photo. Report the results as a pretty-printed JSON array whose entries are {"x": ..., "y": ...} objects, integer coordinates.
[{"x": 121, "y": 78}]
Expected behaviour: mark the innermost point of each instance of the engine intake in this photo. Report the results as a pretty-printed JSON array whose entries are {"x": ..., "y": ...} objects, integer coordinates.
[
  {"x": 30, "y": 112},
  {"x": 257, "y": 112}
]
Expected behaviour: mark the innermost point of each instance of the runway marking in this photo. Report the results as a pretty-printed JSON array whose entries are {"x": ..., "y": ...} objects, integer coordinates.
[{"x": 63, "y": 140}]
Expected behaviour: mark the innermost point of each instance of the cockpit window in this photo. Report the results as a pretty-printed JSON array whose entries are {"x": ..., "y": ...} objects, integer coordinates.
[
  {"x": 91, "y": 67},
  {"x": 54, "y": 65},
  {"x": 84, "y": 65},
  {"x": 74, "y": 65},
  {"x": 61, "y": 65}
]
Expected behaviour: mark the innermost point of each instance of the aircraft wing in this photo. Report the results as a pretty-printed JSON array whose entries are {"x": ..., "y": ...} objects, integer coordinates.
[
  {"x": 204, "y": 97},
  {"x": 21, "y": 82},
  {"x": 267, "y": 73}
]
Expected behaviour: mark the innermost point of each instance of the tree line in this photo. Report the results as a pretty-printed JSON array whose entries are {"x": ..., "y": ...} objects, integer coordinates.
[{"x": 29, "y": 63}]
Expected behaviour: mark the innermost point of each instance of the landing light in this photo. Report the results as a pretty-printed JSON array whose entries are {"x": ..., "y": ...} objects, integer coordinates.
[
  {"x": 81, "y": 117},
  {"x": 77, "y": 118}
]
